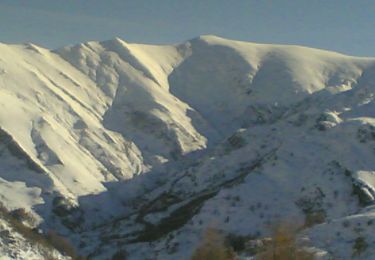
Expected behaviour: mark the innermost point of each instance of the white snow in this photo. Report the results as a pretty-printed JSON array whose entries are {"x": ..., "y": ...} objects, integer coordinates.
[{"x": 112, "y": 126}]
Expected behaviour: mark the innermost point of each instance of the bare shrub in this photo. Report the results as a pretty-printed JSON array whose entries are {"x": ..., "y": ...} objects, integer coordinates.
[
  {"x": 213, "y": 247},
  {"x": 283, "y": 245}
]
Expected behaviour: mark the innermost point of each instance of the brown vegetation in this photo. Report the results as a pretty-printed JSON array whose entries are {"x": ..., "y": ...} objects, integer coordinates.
[
  {"x": 213, "y": 247},
  {"x": 283, "y": 245},
  {"x": 45, "y": 243}
]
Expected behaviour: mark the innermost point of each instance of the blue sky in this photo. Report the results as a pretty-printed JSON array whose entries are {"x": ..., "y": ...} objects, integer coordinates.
[{"x": 346, "y": 26}]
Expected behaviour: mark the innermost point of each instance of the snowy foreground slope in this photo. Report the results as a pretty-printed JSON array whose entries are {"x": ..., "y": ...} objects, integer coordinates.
[{"x": 138, "y": 148}]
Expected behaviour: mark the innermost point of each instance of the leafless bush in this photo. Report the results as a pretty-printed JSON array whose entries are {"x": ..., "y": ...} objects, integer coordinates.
[
  {"x": 213, "y": 247},
  {"x": 283, "y": 245}
]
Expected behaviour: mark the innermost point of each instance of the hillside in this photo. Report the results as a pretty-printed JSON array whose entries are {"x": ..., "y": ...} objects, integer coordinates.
[{"x": 142, "y": 148}]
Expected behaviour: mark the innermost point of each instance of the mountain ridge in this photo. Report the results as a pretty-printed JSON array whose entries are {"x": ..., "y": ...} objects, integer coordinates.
[{"x": 131, "y": 137}]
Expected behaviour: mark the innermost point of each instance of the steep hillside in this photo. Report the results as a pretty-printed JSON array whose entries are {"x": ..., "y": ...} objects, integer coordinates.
[{"x": 142, "y": 148}]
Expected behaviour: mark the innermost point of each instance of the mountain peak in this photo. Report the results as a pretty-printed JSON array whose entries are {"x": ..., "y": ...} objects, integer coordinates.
[{"x": 176, "y": 139}]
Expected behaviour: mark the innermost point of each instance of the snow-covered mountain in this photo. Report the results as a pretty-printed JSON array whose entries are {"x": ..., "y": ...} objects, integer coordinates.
[{"x": 141, "y": 148}]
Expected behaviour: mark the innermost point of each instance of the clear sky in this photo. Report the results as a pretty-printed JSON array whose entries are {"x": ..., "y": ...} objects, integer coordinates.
[{"x": 346, "y": 26}]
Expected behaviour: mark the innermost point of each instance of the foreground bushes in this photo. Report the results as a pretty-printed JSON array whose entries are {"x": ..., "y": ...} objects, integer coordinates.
[{"x": 282, "y": 245}]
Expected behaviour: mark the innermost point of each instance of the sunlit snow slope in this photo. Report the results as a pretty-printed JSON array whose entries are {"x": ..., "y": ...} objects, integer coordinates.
[{"x": 123, "y": 124}]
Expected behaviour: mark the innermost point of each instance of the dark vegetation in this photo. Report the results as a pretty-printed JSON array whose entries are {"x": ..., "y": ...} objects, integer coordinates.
[
  {"x": 366, "y": 133},
  {"x": 174, "y": 221},
  {"x": 183, "y": 213},
  {"x": 234, "y": 142},
  {"x": 360, "y": 245}
]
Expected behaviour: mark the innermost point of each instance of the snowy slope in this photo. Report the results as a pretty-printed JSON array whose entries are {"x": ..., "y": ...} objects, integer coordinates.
[
  {"x": 13, "y": 245},
  {"x": 110, "y": 142}
]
